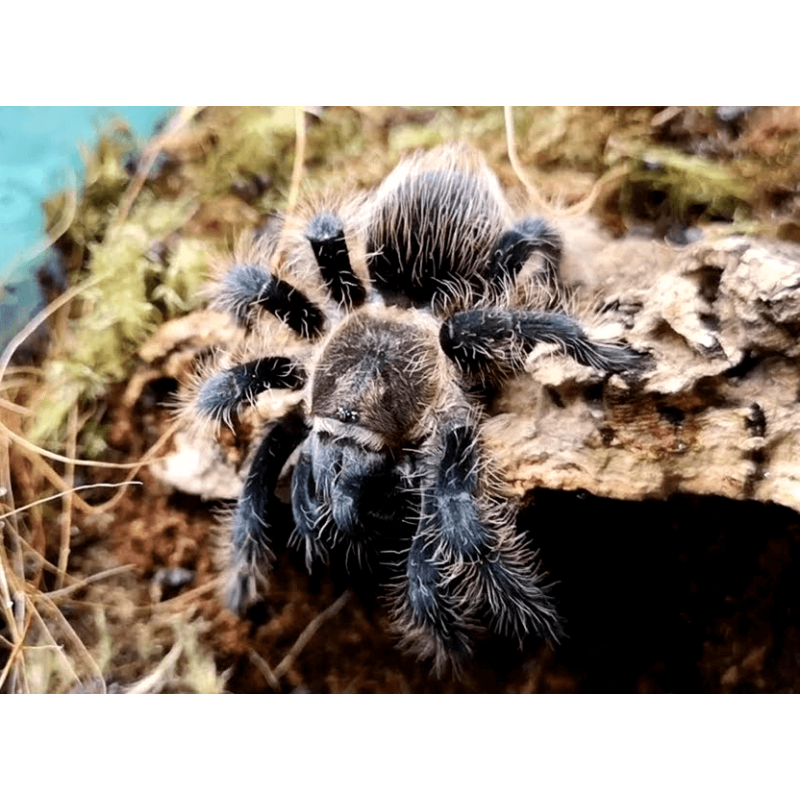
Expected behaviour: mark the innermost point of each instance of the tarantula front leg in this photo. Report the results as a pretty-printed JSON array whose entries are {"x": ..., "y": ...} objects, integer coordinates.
[
  {"x": 343, "y": 492},
  {"x": 488, "y": 342},
  {"x": 251, "y": 556},
  {"x": 466, "y": 559},
  {"x": 325, "y": 234}
]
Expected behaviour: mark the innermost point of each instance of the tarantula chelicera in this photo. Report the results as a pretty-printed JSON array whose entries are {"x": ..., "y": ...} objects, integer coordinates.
[{"x": 404, "y": 307}]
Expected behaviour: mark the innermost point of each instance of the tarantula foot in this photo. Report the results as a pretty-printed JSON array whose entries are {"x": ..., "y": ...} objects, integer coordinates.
[{"x": 621, "y": 358}]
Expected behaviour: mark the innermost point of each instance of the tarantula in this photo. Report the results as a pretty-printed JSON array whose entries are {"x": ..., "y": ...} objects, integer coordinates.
[{"x": 416, "y": 299}]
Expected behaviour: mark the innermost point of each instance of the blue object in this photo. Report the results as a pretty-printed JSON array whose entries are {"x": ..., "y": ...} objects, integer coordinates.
[{"x": 39, "y": 156}]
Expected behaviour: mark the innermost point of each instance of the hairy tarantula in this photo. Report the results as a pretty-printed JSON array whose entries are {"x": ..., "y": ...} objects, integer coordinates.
[{"x": 414, "y": 303}]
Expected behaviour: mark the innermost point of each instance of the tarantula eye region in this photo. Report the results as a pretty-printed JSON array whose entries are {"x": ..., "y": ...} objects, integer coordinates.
[{"x": 346, "y": 414}]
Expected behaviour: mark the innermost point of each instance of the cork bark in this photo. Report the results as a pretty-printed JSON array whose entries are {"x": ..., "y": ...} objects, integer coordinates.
[{"x": 713, "y": 412}]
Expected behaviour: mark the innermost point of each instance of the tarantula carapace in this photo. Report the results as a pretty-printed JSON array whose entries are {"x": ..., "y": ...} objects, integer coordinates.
[{"x": 405, "y": 306}]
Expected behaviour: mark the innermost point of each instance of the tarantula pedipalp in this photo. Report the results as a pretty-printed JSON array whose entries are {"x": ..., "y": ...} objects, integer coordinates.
[{"x": 416, "y": 298}]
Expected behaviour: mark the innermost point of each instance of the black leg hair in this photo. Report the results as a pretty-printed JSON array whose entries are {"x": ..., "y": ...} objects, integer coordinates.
[
  {"x": 343, "y": 493},
  {"x": 251, "y": 556},
  {"x": 308, "y": 511},
  {"x": 325, "y": 233},
  {"x": 246, "y": 288},
  {"x": 435, "y": 623},
  {"x": 221, "y": 395},
  {"x": 465, "y": 551},
  {"x": 516, "y": 246},
  {"x": 488, "y": 343}
]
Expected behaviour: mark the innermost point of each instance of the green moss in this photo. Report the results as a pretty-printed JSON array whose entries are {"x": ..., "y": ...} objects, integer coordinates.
[
  {"x": 118, "y": 310},
  {"x": 689, "y": 181},
  {"x": 183, "y": 277}
]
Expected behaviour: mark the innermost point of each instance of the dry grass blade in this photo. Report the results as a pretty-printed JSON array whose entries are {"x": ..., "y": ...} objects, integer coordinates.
[
  {"x": 151, "y": 152},
  {"x": 605, "y": 182},
  {"x": 264, "y": 668},
  {"x": 75, "y": 640},
  {"x": 78, "y": 462},
  {"x": 79, "y": 584},
  {"x": 16, "y": 650},
  {"x": 67, "y": 492},
  {"x": 513, "y": 157},
  {"x": 66, "y": 515}
]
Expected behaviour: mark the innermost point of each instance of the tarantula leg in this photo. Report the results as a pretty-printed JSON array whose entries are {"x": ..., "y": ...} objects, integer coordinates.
[
  {"x": 435, "y": 623},
  {"x": 343, "y": 492},
  {"x": 308, "y": 511},
  {"x": 251, "y": 556},
  {"x": 477, "y": 545},
  {"x": 246, "y": 288},
  {"x": 516, "y": 246},
  {"x": 325, "y": 233},
  {"x": 221, "y": 395},
  {"x": 487, "y": 342}
]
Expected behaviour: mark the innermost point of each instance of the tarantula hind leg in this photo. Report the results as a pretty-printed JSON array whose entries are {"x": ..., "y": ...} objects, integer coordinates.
[
  {"x": 251, "y": 557},
  {"x": 486, "y": 342},
  {"x": 511, "y": 251}
]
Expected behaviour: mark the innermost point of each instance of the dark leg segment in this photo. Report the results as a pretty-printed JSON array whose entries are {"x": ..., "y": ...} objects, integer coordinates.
[
  {"x": 308, "y": 511},
  {"x": 251, "y": 556},
  {"x": 434, "y": 622},
  {"x": 485, "y": 343},
  {"x": 325, "y": 233},
  {"x": 223, "y": 393},
  {"x": 464, "y": 562},
  {"x": 344, "y": 493},
  {"x": 516, "y": 246},
  {"x": 245, "y": 288}
]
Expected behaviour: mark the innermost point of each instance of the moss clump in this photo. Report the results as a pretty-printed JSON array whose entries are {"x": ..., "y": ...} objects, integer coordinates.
[
  {"x": 119, "y": 307},
  {"x": 689, "y": 184}
]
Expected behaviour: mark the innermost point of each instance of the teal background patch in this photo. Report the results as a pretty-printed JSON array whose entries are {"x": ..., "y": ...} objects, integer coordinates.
[{"x": 39, "y": 156}]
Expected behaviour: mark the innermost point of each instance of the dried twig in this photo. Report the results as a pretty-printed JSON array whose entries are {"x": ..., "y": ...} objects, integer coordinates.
[
  {"x": 73, "y": 638},
  {"x": 66, "y": 507},
  {"x": 151, "y": 152},
  {"x": 79, "y": 584},
  {"x": 513, "y": 157},
  {"x": 305, "y": 637},
  {"x": 583, "y": 206},
  {"x": 264, "y": 668},
  {"x": 299, "y": 160},
  {"x": 156, "y": 679}
]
